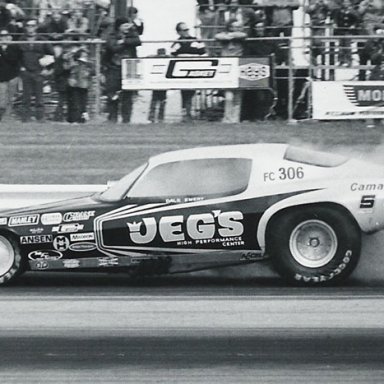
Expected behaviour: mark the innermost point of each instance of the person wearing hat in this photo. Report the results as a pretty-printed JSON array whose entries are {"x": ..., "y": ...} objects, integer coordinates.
[
  {"x": 35, "y": 58},
  {"x": 9, "y": 70},
  {"x": 122, "y": 43}
]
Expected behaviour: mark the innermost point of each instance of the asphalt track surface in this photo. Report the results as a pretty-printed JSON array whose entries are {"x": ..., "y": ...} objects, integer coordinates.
[{"x": 84, "y": 328}]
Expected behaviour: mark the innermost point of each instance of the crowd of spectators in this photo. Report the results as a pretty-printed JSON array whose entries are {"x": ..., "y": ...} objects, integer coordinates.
[{"x": 227, "y": 28}]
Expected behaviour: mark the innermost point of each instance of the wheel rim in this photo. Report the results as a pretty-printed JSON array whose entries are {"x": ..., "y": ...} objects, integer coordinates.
[
  {"x": 313, "y": 243},
  {"x": 7, "y": 255}
]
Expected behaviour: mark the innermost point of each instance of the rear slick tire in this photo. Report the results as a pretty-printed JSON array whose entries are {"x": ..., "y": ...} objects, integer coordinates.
[
  {"x": 10, "y": 260},
  {"x": 314, "y": 245}
]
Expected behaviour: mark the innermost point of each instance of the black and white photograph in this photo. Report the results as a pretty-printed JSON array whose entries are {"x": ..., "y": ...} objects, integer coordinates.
[{"x": 192, "y": 191}]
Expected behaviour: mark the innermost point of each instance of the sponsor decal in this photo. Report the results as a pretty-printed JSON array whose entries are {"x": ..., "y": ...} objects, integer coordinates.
[
  {"x": 199, "y": 227},
  {"x": 42, "y": 265},
  {"x": 36, "y": 231},
  {"x": 254, "y": 71},
  {"x": 47, "y": 254},
  {"x": 61, "y": 243},
  {"x": 51, "y": 218},
  {"x": 82, "y": 236},
  {"x": 82, "y": 247},
  {"x": 67, "y": 228},
  {"x": 16, "y": 221},
  {"x": 78, "y": 216},
  {"x": 364, "y": 95},
  {"x": 192, "y": 69},
  {"x": 3, "y": 221},
  {"x": 72, "y": 263},
  {"x": 36, "y": 239},
  {"x": 108, "y": 261}
]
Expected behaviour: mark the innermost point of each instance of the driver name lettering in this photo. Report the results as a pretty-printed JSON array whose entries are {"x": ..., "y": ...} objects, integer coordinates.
[{"x": 195, "y": 227}]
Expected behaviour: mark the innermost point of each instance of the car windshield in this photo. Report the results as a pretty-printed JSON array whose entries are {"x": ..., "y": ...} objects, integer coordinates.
[{"x": 117, "y": 191}]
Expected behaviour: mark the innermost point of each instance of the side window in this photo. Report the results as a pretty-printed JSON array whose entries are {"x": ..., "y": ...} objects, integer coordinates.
[{"x": 202, "y": 177}]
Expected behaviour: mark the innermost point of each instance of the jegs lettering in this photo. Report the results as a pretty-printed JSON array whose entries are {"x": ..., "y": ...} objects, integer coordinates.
[{"x": 198, "y": 226}]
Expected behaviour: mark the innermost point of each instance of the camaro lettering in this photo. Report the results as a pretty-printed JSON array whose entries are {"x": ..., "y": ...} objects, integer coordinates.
[
  {"x": 367, "y": 187},
  {"x": 198, "y": 227},
  {"x": 37, "y": 239}
]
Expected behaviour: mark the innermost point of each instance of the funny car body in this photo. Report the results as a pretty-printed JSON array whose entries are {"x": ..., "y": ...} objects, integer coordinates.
[{"x": 204, "y": 208}]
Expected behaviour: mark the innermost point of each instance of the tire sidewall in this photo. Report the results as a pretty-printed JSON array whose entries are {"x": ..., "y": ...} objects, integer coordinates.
[
  {"x": 17, "y": 265},
  {"x": 338, "y": 268}
]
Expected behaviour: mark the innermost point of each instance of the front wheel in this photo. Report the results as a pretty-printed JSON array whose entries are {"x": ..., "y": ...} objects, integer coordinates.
[
  {"x": 10, "y": 260},
  {"x": 314, "y": 245}
]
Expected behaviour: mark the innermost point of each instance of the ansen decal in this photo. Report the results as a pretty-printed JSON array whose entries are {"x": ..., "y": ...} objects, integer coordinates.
[
  {"x": 82, "y": 247},
  {"x": 200, "y": 226},
  {"x": 61, "y": 243},
  {"x": 45, "y": 255},
  {"x": 83, "y": 236},
  {"x": 51, "y": 218},
  {"x": 78, "y": 216},
  {"x": 67, "y": 228},
  {"x": 36, "y": 239},
  {"x": 3, "y": 221},
  {"x": 17, "y": 221}
]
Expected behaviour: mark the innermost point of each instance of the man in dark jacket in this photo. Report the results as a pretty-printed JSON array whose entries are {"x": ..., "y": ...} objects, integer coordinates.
[
  {"x": 9, "y": 70},
  {"x": 120, "y": 44},
  {"x": 32, "y": 65},
  {"x": 187, "y": 46}
]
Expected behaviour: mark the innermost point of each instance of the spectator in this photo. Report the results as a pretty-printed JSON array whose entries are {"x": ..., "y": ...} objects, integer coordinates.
[
  {"x": 79, "y": 81},
  {"x": 77, "y": 23},
  {"x": 133, "y": 16},
  {"x": 372, "y": 16},
  {"x": 257, "y": 103},
  {"x": 16, "y": 12},
  {"x": 5, "y": 15},
  {"x": 232, "y": 44},
  {"x": 34, "y": 58},
  {"x": 121, "y": 43},
  {"x": 55, "y": 27},
  {"x": 347, "y": 20},
  {"x": 318, "y": 11},
  {"x": 186, "y": 45},
  {"x": 9, "y": 70},
  {"x": 159, "y": 98},
  {"x": 60, "y": 77},
  {"x": 15, "y": 29},
  {"x": 211, "y": 16},
  {"x": 280, "y": 20},
  {"x": 46, "y": 7}
]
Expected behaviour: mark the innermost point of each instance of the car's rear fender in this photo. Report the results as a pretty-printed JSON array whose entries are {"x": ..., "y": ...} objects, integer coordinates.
[{"x": 297, "y": 203}]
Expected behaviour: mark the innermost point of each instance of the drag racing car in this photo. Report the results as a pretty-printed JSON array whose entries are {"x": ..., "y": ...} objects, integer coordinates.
[{"x": 205, "y": 208}]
